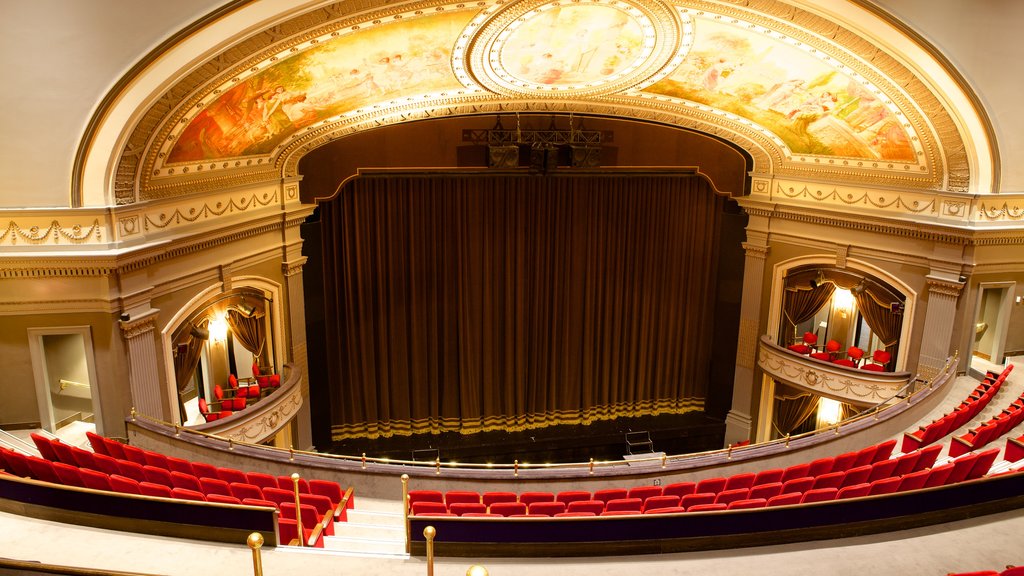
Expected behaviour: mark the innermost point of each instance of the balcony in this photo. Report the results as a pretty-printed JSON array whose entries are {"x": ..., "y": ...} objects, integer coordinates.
[
  {"x": 265, "y": 418},
  {"x": 850, "y": 385}
]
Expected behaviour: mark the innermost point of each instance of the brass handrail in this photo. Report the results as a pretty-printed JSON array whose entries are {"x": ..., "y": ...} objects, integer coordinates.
[
  {"x": 518, "y": 466},
  {"x": 428, "y": 533},
  {"x": 298, "y": 509},
  {"x": 254, "y": 541}
]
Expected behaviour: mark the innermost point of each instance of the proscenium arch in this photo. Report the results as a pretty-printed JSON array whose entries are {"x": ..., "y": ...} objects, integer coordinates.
[{"x": 130, "y": 121}]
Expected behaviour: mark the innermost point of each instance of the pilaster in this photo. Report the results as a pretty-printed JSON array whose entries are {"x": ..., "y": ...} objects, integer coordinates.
[
  {"x": 738, "y": 421},
  {"x": 938, "y": 324},
  {"x": 141, "y": 338},
  {"x": 295, "y": 336}
]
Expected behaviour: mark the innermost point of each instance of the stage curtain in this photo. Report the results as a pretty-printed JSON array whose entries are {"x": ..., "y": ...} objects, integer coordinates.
[
  {"x": 792, "y": 408},
  {"x": 881, "y": 319},
  {"x": 474, "y": 302},
  {"x": 800, "y": 304}
]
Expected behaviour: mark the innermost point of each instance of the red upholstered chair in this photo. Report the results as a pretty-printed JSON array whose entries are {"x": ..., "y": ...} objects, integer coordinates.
[
  {"x": 186, "y": 481},
  {"x": 574, "y": 514},
  {"x": 42, "y": 469},
  {"x": 857, "y": 475},
  {"x": 230, "y": 475},
  {"x": 618, "y": 504},
  {"x": 748, "y": 504},
  {"x": 644, "y": 492},
  {"x": 905, "y": 464},
  {"x": 131, "y": 470},
  {"x": 769, "y": 476},
  {"x": 668, "y": 510},
  {"x": 158, "y": 476},
  {"x": 736, "y": 481},
  {"x": 730, "y": 496},
  {"x": 489, "y": 515},
  {"x": 106, "y": 464},
  {"x": 819, "y": 495},
  {"x": 226, "y": 402},
  {"x": 928, "y": 457},
  {"x": 531, "y": 497},
  {"x": 607, "y": 494},
  {"x": 95, "y": 480},
  {"x": 124, "y": 484},
  {"x": 288, "y": 530},
  {"x": 489, "y": 498},
  {"x": 68, "y": 475},
  {"x": 507, "y": 508},
  {"x": 243, "y": 490},
  {"x": 115, "y": 449},
  {"x": 546, "y": 508},
  {"x": 215, "y": 486},
  {"x": 880, "y": 359},
  {"x": 463, "y": 508},
  {"x": 821, "y": 466},
  {"x": 64, "y": 453},
  {"x": 882, "y": 469},
  {"x": 45, "y": 449},
  {"x": 829, "y": 354},
  {"x": 765, "y": 491},
  {"x": 570, "y": 496},
  {"x": 679, "y": 489},
  {"x": 222, "y": 499},
  {"x": 593, "y": 506},
  {"x": 135, "y": 454},
  {"x": 711, "y": 485},
  {"x": 853, "y": 357},
  {"x": 844, "y": 462},
  {"x": 620, "y": 513},
  {"x": 865, "y": 456},
  {"x": 883, "y": 450},
  {"x": 706, "y": 508},
  {"x": 83, "y": 458},
  {"x": 259, "y": 502},
  {"x": 884, "y": 486},
  {"x": 422, "y": 507},
  {"x": 154, "y": 489},
  {"x": 97, "y": 443},
  {"x": 179, "y": 465},
  {"x": 830, "y": 480},
  {"x": 913, "y": 481},
  {"x": 807, "y": 345},
  {"x": 322, "y": 505},
  {"x": 286, "y": 483},
  {"x": 461, "y": 497},
  {"x": 695, "y": 499},
  {"x": 262, "y": 480},
  {"x": 961, "y": 467},
  {"x": 275, "y": 380},
  {"x": 655, "y": 502},
  {"x": 796, "y": 471},
  {"x": 425, "y": 496},
  {"x": 158, "y": 460},
  {"x": 210, "y": 416},
  {"x": 797, "y": 485},
  {"x": 854, "y": 491},
  {"x": 784, "y": 499},
  {"x": 186, "y": 494},
  {"x": 278, "y": 496},
  {"x": 982, "y": 464},
  {"x": 937, "y": 476}
]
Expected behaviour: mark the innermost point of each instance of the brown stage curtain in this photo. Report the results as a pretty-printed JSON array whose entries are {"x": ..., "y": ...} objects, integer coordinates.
[
  {"x": 470, "y": 302},
  {"x": 881, "y": 319},
  {"x": 185, "y": 363},
  {"x": 249, "y": 332},
  {"x": 792, "y": 408},
  {"x": 800, "y": 304}
]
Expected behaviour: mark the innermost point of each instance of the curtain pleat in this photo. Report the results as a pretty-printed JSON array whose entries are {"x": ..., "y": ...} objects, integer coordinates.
[
  {"x": 799, "y": 305},
  {"x": 249, "y": 332},
  {"x": 792, "y": 408},
  {"x": 881, "y": 319},
  {"x": 185, "y": 364},
  {"x": 492, "y": 301}
]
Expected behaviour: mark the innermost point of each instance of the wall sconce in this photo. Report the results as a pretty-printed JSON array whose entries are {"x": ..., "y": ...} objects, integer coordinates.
[
  {"x": 842, "y": 300},
  {"x": 818, "y": 280},
  {"x": 218, "y": 329},
  {"x": 829, "y": 412},
  {"x": 245, "y": 309}
]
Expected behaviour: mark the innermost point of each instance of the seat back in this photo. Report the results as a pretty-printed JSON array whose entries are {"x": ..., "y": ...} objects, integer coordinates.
[
  {"x": 854, "y": 491},
  {"x": 593, "y": 506},
  {"x": 546, "y": 508},
  {"x": 655, "y": 502},
  {"x": 819, "y": 495}
]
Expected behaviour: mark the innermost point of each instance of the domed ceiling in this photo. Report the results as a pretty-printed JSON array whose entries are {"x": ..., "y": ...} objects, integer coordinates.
[{"x": 802, "y": 95}]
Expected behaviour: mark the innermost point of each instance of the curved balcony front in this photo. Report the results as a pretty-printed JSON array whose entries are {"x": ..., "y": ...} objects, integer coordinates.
[
  {"x": 851, "y": 385},
  {"x": 263, "y": 419}
]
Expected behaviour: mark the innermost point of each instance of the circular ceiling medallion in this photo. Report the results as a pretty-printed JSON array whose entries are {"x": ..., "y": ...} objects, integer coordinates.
[{"x": 572, "y": 47}]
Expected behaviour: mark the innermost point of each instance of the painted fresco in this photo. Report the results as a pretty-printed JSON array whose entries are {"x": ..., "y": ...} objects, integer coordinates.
[
  {"x": 811, "y": 106},
  {"x": 347, "y": 73},
  {"x": 568, "y": 45}
]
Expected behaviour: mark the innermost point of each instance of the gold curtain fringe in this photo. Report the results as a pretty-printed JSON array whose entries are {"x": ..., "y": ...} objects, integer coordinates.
[{"x": 515, "y": 423}]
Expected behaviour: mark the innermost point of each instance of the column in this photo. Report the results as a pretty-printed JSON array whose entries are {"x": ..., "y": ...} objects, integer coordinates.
[
  {"x": 295, "y": 336},
  {"x": 738, "y": 421},
  {"x": 940, "y": 314},
  {"x": 143, "y": 364}
]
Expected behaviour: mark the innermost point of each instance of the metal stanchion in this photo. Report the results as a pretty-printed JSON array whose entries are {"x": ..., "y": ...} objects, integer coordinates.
[
  {"x": 254, "y": 541},
  {"x": 298, "y": 511},
  {"x": 405, "y": 512},
  {"x": 429, "y": 532}
]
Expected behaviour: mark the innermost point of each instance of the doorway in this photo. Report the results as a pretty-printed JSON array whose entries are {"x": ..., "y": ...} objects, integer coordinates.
[
  {"x": 65, "y": 377},
  {"x": 992, "y": 320}
]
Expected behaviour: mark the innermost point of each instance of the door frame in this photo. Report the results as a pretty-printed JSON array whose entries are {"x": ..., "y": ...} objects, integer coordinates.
[{"x": 41, "y": 377}]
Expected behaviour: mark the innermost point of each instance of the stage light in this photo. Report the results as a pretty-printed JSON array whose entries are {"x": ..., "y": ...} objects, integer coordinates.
[{"x": 218, "y": 329}]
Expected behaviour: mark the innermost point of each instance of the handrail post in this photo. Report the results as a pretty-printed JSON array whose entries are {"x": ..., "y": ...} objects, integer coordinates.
[
  {"x": 591, "y": 465},
  {"x": 429, "y": 532},
  {"x": 405, "y": 512},
  {"x": 254, "y": 541},
  {"x": 515, "y": 469},
  {"x": 298, "y": 511}
]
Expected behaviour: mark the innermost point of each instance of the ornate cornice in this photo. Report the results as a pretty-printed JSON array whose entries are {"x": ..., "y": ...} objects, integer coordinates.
[
  {"x": 135, "y": 328},
  {"x": 756, "y": 250},
  {"x": 944, "y": 287},
  {"x": 42, "y": 267},
  {"x": 293, "y": 267}
]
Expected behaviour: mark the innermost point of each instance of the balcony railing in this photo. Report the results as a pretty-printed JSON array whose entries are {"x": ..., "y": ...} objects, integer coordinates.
[
  {"x": 263, "y": 419},
  {"x": 851, "y": 385}
]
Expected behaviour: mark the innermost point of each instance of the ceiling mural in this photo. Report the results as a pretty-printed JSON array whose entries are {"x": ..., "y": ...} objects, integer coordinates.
[{"x": 757, "y": 78}]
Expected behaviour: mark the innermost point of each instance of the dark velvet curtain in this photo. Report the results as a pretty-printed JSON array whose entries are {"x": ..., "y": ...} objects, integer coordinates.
[
  {"x": 792, "y": 408},
  {"x": 880, "y": 318},
  {"x": 249, "y": 331},
  {"x": 472, "y": 302},
  {"x": 185, "y": 362},
  {"x": 800, "y": 304}
]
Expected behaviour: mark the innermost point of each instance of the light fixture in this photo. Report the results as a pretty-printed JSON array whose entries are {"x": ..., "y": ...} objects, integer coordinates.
[
  {"x": 842, "y": 300},
  {"x": 199, "y": 333},
  {"x": 245, "y": 309},
  {"x": 829, "y": 412},
  {"x": 218, "y": 329},
  {"x": 860, "y": 287},
  {"x": 818, "y": 280}
]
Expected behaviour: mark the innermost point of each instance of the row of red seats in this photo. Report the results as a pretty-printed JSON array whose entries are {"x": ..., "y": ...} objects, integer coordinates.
[
  {"x": 854, "y": 355},
  {"x": 908, "y": 472},
  {"x": 988, "y": 431},
  {"x": 968, "y": 409},
  {"x": 1010, "y": 571},
  {"x": 238, "y": 396}
]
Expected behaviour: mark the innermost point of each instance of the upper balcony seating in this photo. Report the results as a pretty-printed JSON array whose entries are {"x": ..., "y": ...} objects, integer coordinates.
[
  {"x": 993, "y": 428},
  {"x": 968, "y": 409},
  {"x": 147, "y": 473},
  {"x": 853, "y": 357},
  {"x": 880, "y": 361}
]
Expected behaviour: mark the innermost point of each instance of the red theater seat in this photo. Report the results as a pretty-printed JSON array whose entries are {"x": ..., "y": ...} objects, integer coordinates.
[
  {"x": 769, "y": 476},
  {"x": 711, "y": 485},
  {"x": 644, "y": 492},
  {"x": 153, "y": 489},
  {"x": 570, "y": 496},
  {"x": 607, "y": 494},
  {"x": 736, "y": 481},
  {"x": 95, "y": 480},
  {"x": 69, "y": 475},
  {"x": 425, "y": 496},
  {"x": 695, "y": 499},
  {"x": 655, "y": 502},
  {"x": 729, "y": 496},
  {"x": 463, "y": 508},
  {"x": 819, "y": 495},
  {"x": 706, "y": 508},
  {"x": 765, "y": 491},
  {"x": 230, "y": 475},
  {"x": 461, "y": 497},
  {"x": 262, "y": 480},
  {"x": 124, "y": 484},
  {"x": 222, "y": 499},
  {"x": 186, "y": 481},
  {"x": 418, "y": 508},
  {"x": 884, "y": 486},
  {"x": 546, "y": 508},
  {"x": 620, "y": 504},
  {"x": 748, "y": 504},
  {"x": 680, "y": 489},
  {"x": 489, "y": 498},
  {"x": 854, "y": 491},
  {"x": 507, "y": 508},
  {"x": 531, "y": 497},
  {"x": 797, "y": 485},
  {"x": 593, "y": 506},
  {"x": 42, "y": 469},
  {"x": 784, "y": 499}
]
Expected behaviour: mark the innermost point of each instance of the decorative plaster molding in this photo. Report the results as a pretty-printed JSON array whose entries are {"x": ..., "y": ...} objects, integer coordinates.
[
  {"x": 1006, "y": 212},
  {"x": 756, "y": 250},
  {"x": 209, "y": 208},
  {"x": 847, "y": 385},
  {"x": 135, "y": 328},
  {"x": 293, "y": 267},
  {"x": 36, "y": 267},
  {"x": 842, "y": 251},
  {"x": 35, "y": 234},
  {"x": 880, "y": 200},
  {"x": 944, "y": 287},
  {"x": 746, "y": 339}
]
